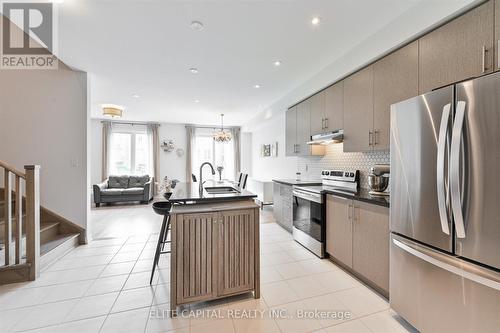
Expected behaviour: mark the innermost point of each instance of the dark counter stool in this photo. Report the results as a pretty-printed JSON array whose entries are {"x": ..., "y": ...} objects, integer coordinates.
[{"x": 161, "y": 208}]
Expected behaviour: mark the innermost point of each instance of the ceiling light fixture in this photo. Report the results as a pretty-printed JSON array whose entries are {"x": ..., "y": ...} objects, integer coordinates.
[
  {"x": 221, "y": 135},
  {"x": 257, "y": 86},
  {"x": 197, "y": 26},
  {"x": 111, "y": 110},
  {"x": 277, "y": 63},
  {"x": 193, "y": 70},
  {"x": 196, "y": 101},
  {"x": 135, "y": 95},
  {"x": 315, "y": 20}
]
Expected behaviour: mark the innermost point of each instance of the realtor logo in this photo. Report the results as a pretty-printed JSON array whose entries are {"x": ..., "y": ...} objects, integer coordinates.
[{"x": 28, "y": 35}]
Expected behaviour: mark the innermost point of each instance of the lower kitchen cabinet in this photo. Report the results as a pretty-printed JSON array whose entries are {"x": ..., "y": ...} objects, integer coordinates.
[
  {"x": 370, "y": 243},
  {"x": 357, "y": 236},
  {"x": 339, "y": 229},
  {"x": 283, "y": 205}
]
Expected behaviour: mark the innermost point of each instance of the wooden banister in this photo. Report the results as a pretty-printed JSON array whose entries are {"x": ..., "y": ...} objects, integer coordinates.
[{"x": 31, "y": 182}]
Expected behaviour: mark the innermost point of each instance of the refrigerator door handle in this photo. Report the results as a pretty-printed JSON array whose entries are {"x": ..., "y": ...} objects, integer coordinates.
[
  {"x": 442, "y": 142},
  {"x": 456, "y": 139},
  {"x": 460, "y": 270}
]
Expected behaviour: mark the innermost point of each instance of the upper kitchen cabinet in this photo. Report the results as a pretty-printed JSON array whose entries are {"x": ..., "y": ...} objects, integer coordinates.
[
  {"x": 298, "y": 131},
  {"x": 497, "y": 35},
  {"x": 460, "y": 49},
  {"x": 291, "y": 131},
  {"x": 318, "y": 113},
  {"x": 358, "y": 111},
  {"x": 327, "y": 109},
  {"x": 334, "y": 107},
  {"x": 395, "y": 78}
]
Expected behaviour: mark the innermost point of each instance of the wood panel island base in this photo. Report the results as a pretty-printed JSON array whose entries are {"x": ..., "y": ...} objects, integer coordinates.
[{"x": 215, "y": 251}]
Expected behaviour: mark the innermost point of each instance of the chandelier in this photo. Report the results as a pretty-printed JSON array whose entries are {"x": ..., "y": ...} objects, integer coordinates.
[{"x": 222, "y": 136}]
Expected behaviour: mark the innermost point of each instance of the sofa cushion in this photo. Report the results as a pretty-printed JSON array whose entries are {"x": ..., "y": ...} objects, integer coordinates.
[
  {"x": 118, "y": 181},
  {"x": 138, "y": 181},
  {"x": 112, "y": 191},
  {"x": 133, "y": 191}
]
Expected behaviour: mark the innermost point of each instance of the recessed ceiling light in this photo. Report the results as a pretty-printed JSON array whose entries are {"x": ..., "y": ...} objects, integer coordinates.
[
  {"x": 196, "y": 101},
  {"x": 277, "y": 63},
  {"x": 193, "y": 70},
  {"x": 257, "y": 86},
  {"x": 315, "y": 20},
  {"x": 136, "y": 96},
  {"x": 197, "y": 25}
]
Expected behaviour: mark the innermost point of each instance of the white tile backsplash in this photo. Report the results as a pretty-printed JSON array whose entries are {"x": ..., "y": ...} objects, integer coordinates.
[{"x": 335, "y": 158}]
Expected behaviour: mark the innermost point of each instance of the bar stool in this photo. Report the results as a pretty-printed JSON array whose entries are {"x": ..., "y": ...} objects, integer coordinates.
[{"x": 161, "y": 208}]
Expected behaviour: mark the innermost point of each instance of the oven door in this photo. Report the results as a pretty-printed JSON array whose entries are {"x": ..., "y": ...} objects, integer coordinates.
[{"x": 309, "y": 220}]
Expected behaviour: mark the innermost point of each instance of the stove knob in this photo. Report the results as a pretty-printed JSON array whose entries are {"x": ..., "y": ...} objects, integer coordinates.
[
  {"x": 346, "y": 174},
  {"x": 352, "y": 174}
]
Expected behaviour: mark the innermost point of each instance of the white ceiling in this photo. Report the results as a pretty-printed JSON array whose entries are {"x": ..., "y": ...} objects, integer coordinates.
[{"x": 146, "y": 47}]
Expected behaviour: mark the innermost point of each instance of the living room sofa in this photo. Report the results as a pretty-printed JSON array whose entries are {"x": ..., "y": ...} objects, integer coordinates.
[{"x": 124, "y": 189}]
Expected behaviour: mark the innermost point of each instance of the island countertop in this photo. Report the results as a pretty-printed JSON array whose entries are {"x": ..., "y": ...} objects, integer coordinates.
[{"x": 189, "y": 192}]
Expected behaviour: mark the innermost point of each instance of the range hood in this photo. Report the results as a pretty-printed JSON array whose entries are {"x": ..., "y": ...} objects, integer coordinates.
[{"x": 327, "y": 138}]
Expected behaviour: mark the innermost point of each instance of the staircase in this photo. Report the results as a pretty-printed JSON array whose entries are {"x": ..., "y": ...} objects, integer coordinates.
[{"x": 36, "y": 236}]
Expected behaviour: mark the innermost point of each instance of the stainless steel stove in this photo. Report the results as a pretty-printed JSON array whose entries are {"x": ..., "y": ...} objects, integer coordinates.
[{"x": 309, "y": 211}]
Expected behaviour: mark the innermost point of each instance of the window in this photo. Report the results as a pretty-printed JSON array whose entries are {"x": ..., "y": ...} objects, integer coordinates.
[
  {"x": 130, "y": 152},
  {"x": 219, "y": 154}
]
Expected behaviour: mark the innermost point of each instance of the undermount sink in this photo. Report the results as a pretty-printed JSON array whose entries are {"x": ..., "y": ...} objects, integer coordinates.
[{"x": 221, "y": 190}]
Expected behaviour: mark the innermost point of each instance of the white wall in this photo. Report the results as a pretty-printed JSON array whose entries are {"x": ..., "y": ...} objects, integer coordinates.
[
  {"x": 246, "y": 153},
  {"x": 267, "y": 168},
  {"x": 171, "y": 165},
  {"x": 43, "y": 120},
  {"x": 270, "y": 123}
]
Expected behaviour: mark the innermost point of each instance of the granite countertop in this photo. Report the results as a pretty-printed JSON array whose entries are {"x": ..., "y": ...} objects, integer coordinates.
[
  {"x": 298, "y": 182},
  {"x": 364, "y": 196},
  {"x": 189, "y": 192}
]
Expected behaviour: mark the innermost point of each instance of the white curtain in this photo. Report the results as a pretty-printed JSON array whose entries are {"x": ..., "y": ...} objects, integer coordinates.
[
  {"x": 190, "y": 133},
  {"x": 154, "y": 140},
  {"x": 107, "y": 129},
  {"x": 236, "y": 132}
]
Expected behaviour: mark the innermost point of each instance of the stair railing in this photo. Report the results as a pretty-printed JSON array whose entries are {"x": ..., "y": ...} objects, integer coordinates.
[{"x": 30, "y": 178}]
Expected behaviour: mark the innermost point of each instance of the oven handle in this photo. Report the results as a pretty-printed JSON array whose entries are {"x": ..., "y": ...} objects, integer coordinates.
[{"x": 308, "y": 196}]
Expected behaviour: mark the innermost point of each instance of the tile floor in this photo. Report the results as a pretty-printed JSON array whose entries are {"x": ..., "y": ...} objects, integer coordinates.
[{"x": 104, "y": 287}]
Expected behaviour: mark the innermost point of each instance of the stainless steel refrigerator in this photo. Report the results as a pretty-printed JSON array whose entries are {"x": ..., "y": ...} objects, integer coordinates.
[{"x": 445, "y": 208}]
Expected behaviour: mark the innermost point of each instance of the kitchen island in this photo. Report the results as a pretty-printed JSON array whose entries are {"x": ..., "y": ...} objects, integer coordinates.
[{"x": 215, "y": 243}]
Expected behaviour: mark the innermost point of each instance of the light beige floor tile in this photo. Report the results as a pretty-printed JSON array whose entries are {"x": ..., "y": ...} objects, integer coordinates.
[
  {"x": 78, "y": 262},
  {"x": 92, "y": 306},
  {"x": 132, "y": 247},
  {"x": 107, "y": 285},
  {"x": 216, "y": 326},
  {"x": 45, "y": 315},
  {"x": 353, "y": 326},
  {"x": 118, "y": 269},
  {"x": 9, "y": 318},
  {"x": 269, "y": 274},
  {"x": 126, "y": 257},
  {"x": 138, "y": 280},
  {"x": 270, "y": 248},
  {"x": 276, "y": 258},
  {"x": 293, "y": 322},
  {"x": 159, "y": 319},
  {"x": 362, "y": 301},
  {"x": 336, "y": 280},
  {"x": 162, "y": 294},
  {"x": 133, "y": 299},
  {"x": 163, "y": 275},
  {"x": 301, "y": 254},
  {"x": 133, "y": 321},
  {"x": 22, "y": 297},
  {"x": 291, "y": 270},
  {"x": 276, "y": 293},
  {"x": 290, "y": 245},
  {"x": 66, "y": 291},
  {"x": 92, "y": 251},
  {"x": 386, "y": 322},
  {"x": 318, "y": 266},
  {"x": 306, "y": 286},
  {"x": 335, "y": 311},
  {"x": 143, "y": 266},
  {"x": 81, "y": 326}
]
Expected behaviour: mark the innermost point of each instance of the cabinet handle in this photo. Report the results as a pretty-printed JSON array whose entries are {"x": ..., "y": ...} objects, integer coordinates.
[
  {"x": 370, "y": 138},
  {"x": 484, "y": 50},
  {"x": 376, "y": 137},
  {"x": 498, "y": 53},
  {"x": 322, "y": 123},
  {"x": 326, "y": 123},
  {"x": 349, "y": 216}
]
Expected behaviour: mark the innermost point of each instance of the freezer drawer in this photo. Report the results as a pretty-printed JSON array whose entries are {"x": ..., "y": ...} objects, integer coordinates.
[{"x": 440, "y": 293}]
